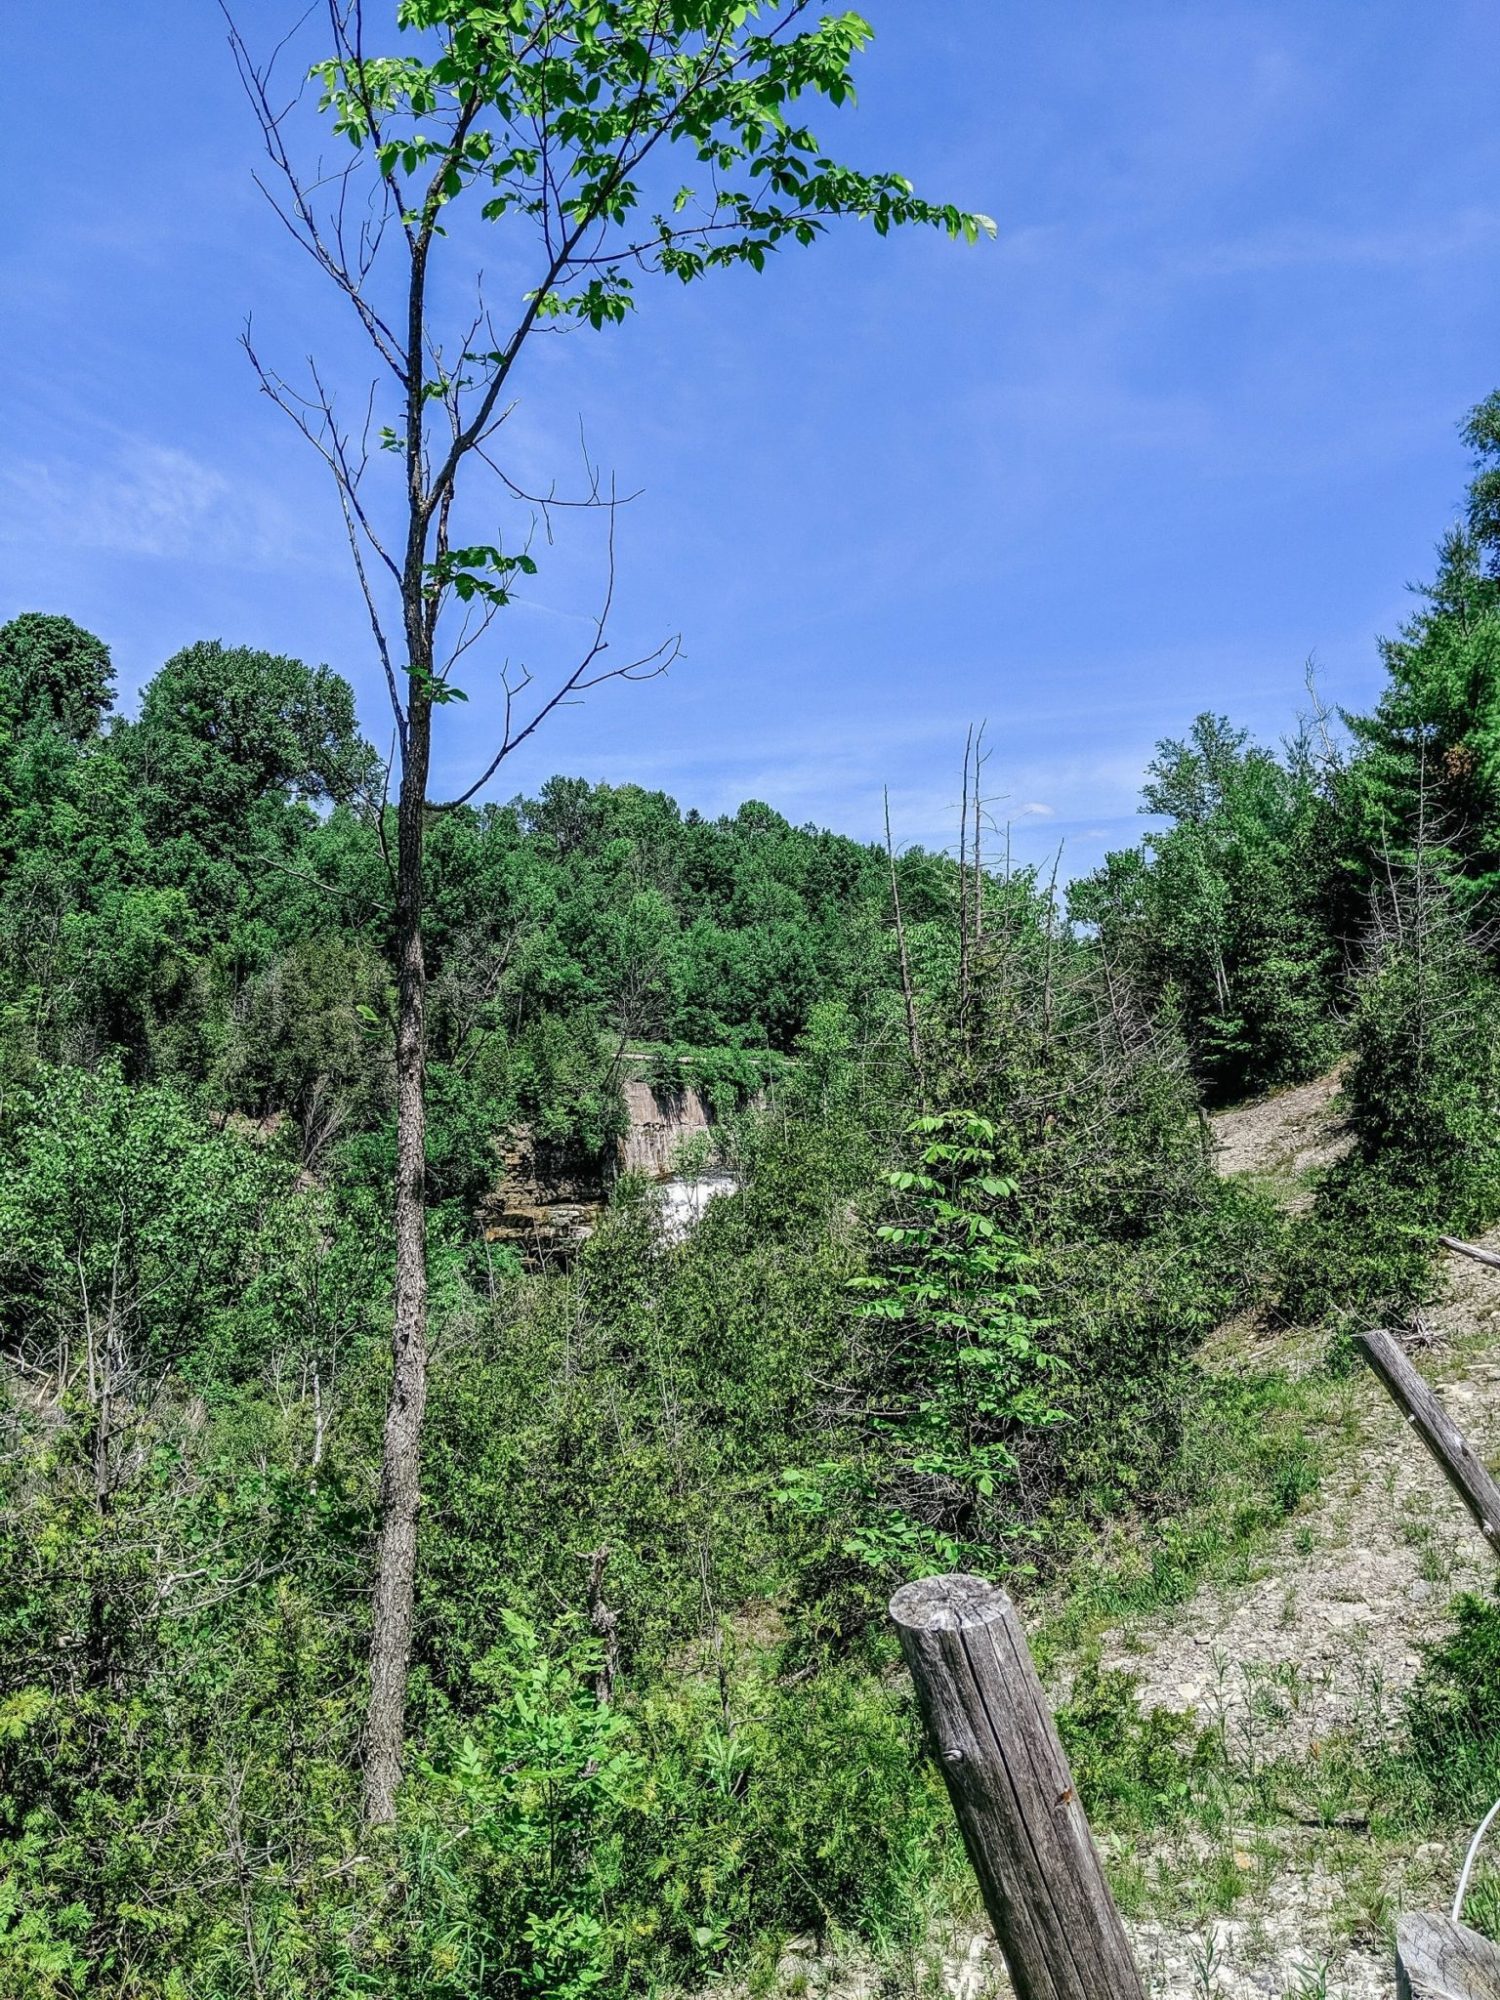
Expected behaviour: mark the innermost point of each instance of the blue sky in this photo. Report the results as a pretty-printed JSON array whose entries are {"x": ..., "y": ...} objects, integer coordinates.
[{"x": 1191, "y": 420}]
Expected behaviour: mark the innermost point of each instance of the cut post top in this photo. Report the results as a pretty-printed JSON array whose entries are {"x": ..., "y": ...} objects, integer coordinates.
[{"x": 948, "y": 1603}]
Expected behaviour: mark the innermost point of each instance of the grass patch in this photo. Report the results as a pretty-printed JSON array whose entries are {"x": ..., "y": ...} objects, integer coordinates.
[
  {"x": 1193, "y": 1786},
  {"x": 1135, "y": 1770},
  {"x": 1253, "y": 1449},
  {"x": 1453, "y": 1713}
]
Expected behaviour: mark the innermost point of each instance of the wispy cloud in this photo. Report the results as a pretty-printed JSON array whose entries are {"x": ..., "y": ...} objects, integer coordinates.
[
  {"x": 146, "y": 499},
  {"x": 842, "y": 784},
  {"x": 1309, "y": 244}
]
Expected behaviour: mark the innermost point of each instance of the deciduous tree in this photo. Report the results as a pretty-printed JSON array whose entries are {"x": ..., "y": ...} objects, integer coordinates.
[{"x": 555, "y": 121}]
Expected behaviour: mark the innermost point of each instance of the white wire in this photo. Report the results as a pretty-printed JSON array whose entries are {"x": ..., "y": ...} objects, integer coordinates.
[{"x": 1463, "y": 1880}]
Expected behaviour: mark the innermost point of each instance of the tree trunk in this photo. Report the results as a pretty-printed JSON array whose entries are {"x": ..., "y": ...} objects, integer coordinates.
[
  {"x": 102, "y": 1371},
  {"x": 400, "y": 1466},
  {"x": 1438, "y": 1958},
  {"x": 913, "y": 1040}
]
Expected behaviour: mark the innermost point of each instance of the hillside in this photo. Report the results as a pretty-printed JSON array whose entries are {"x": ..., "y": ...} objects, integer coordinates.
[
  {"x": 1313, "y": 1647},
  {"x": 1041, "y": 1220},
  {"x": 1292, "y": 1656}
]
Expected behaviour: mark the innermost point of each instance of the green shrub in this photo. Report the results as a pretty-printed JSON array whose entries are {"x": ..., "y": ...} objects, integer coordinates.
[
  {"x": 1134, "y": 1770},
  {"x": 1453, "y": 1713},
  {"x": 1363, "y": 1254}
]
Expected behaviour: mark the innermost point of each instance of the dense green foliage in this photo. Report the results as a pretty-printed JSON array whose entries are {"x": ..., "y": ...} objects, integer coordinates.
[
  {"x": 885, "y": 1347},
  {"x": 950, "y": 1314},
  {"x": 1226, "y": 915}
]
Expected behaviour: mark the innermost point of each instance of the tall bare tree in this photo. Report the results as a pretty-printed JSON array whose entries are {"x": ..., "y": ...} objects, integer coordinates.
[{"x": 551, "y": 120}]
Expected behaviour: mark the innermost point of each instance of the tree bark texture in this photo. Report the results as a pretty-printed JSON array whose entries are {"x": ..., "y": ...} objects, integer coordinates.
[{"x": 401, "y": 1455}]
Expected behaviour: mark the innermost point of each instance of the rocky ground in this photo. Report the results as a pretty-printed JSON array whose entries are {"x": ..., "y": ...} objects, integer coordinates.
[
  {"x": 1315, "y": 1646},
  {"x": 1322, "y": 1642},
  {"x": 1284, "y": 1136}
]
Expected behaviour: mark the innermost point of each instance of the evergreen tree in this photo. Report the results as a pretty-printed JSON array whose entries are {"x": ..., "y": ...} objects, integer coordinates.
[
  {"x": 1225, "y": 916},
  {"x": 1427, "y": 760},
  {"x": 54, "y": 675}
]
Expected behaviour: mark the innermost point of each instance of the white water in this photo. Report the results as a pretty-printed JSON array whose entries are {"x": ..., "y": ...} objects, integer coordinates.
[{"x": 685, "y": 1197}]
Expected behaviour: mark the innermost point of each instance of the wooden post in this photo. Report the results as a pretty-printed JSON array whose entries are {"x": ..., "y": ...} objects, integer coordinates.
[
  {"x": 1466, "y": 1472},
  {"x": 1438, "y": 1959},
  {"x": 1027, "y": 1835}
]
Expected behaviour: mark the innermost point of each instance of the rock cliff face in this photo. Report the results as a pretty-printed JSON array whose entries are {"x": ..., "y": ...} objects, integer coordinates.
[
  {"x": 660, "y": 1120},
  {"x": 545, "y": 1202}
]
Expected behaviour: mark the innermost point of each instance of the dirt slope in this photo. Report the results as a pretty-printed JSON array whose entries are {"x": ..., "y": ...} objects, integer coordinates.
[
  {"x": 1324, "y": 1637},
  {"x": 1284, "y": 1135}
]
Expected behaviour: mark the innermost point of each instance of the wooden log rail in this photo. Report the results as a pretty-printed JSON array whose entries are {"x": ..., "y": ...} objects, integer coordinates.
[
  {"x": 1464, "y": 1469},
  {"x": 1474, "y": 1250},
  {"x": 1439, "y": 1958},
  {"x": 1026, "y": 1833}
]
